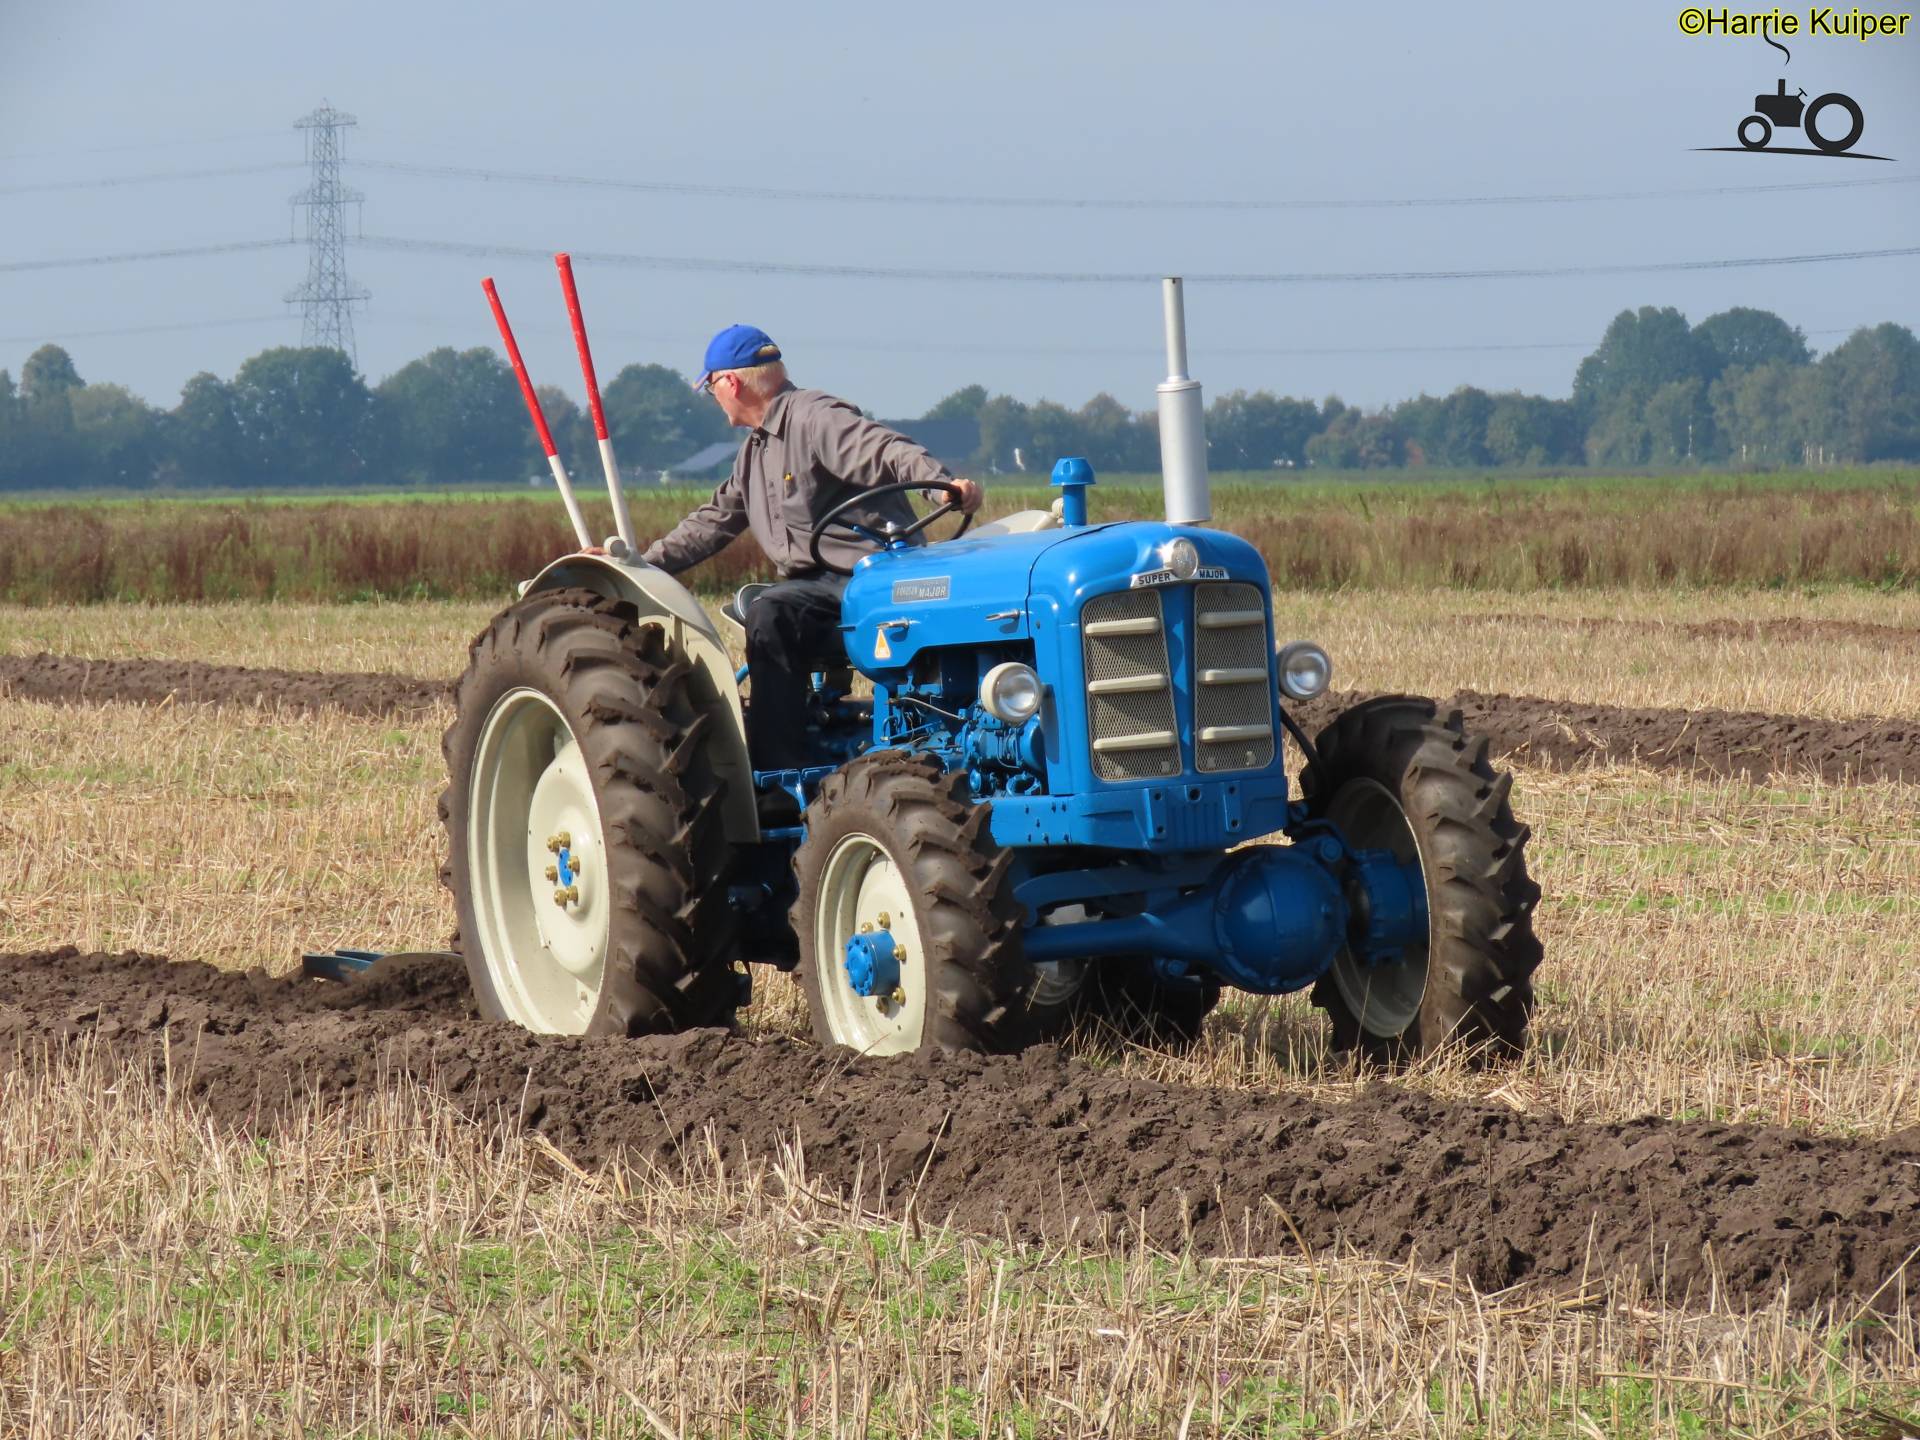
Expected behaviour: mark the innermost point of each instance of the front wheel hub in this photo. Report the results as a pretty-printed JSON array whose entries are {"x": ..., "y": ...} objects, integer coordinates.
[{"x": 873, "y": 964}]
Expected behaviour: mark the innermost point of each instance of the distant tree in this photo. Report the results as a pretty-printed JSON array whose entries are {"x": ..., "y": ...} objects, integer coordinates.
[
  {"x": 48, "y": 454},
  {"x": 1531, "y": 430},
  {"x": 572, "y": 430},
  {"x": 202, "y": 440},
  {"x": 1619, "y": 438},
  {"x": 1256, "y": 430},
  {"x": 305, "y": 417},
  {"x": 1870, "y": 386},
  {"x": 1114, "y": 438},
  {"x": 10, "y": 456},
  {"x": 1451, "y": 431},
  {"x": 1357, "y": 441},
  {"x": 963, "y": 404},
  {"x": 1642, "y": 350},
  {"x": 454, "y": 416},
  {"x": 1053, "y": 432},
  {"x": 1679, "y": 424},
  {"x": 656, "y": 419},
  {"x": 1746, "y": 337},
  {"x": 1006, "y": 436},
  {"x": 48, "y": 376},
  {"x": 117, "y": 436}
]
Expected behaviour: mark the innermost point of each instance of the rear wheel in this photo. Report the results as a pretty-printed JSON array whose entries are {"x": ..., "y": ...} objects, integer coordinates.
[
  {"x": 898, "y": 859},
  {"x": 586, "y": 855},
  {"x": 1393, "y": 774}
]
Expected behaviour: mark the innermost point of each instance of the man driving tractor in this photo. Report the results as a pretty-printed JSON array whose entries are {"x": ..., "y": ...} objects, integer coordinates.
[{"x": 808, "y": 453}]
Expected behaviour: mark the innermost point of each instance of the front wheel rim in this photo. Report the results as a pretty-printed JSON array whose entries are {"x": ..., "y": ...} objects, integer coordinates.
[
  {"x": 1384, "y": 998},
  {"x": 544, "y": 949},
  {"x": 862, "y": 886}
]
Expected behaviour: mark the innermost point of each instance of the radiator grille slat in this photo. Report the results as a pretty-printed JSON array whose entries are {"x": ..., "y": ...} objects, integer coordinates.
[
  {"x": 1133, "y": 717},
  {"x": 1226, "y": 643}
]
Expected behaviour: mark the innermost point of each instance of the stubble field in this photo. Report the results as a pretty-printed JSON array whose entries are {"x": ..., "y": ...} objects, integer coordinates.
[{"x": 235, "y": 1203}]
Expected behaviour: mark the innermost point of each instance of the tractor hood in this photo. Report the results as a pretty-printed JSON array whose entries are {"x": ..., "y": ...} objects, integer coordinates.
[{"x": 995, "y": 589}]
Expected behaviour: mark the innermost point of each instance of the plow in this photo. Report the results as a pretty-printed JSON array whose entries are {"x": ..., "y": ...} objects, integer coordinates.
[{"x": 1047, "y": 781}]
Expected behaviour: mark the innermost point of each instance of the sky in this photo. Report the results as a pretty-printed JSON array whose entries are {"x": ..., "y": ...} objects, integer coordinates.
[{"x": 1156, "y": 106}]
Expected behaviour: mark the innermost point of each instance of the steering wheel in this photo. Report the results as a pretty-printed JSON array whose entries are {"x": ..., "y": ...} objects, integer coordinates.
[{"x": 831, "y": 523}]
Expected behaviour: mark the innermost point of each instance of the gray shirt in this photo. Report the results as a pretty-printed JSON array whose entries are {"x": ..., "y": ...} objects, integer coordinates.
[{"x": 810, "y": 452}]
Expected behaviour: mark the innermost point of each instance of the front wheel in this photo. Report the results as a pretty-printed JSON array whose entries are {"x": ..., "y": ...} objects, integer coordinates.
[
  {"x": 1755, "y": 131},
  {"x": 909, "y": 931},
  {"x": 1393, "y": 774}
]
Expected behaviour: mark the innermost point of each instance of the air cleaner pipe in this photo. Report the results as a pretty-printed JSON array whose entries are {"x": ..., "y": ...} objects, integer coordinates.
[
  {"x": 1183, "y": 421},
  {"x": 622, "y": 522},
  {"x": 539, "y": 417}
]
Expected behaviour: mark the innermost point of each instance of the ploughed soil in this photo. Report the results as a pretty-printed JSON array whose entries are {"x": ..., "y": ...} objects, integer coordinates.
[
  {"x": 1044, "y": 1145},
  {"x": 1525, "y": 728},
  {"x": 1786, "y": 628},
  {"x": 73, "y": 680}
]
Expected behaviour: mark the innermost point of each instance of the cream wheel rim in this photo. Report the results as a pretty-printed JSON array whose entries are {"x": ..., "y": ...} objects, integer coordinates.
[
  {"x": 862, "y": 889},
  {"x": 536, "y": 866}
]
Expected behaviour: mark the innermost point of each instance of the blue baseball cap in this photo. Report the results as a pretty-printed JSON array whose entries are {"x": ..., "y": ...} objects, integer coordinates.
[{"x": 736, "y": 348}]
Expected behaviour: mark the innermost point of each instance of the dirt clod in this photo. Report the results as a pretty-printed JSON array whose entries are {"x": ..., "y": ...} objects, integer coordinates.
[{"x": 1043, "y": 1144}]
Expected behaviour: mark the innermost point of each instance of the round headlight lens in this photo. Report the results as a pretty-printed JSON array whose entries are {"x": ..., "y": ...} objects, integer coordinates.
[
  {"x": 1180, "y": 557},
  {"x": 1011, "y": 692},
  {"x": 1305, "y": 670}
]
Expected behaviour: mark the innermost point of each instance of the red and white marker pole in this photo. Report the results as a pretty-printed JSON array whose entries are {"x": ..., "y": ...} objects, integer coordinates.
[
  {"x": 539, "y": 418},
  {"x": 622, "y": 522}
]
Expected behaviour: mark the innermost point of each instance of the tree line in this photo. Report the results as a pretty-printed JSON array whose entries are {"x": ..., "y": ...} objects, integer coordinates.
[{"x": 1742, "y": 387}]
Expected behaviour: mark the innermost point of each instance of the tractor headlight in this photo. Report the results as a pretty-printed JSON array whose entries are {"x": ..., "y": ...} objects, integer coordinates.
[
  {"x": 1180, "y": 557},
  {"x": 1011, "y": 692},
  {"x": 1305, "y": 670}
]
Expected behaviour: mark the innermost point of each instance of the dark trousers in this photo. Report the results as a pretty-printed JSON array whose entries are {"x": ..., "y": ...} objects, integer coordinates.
[{"x": 793, "y": 629}]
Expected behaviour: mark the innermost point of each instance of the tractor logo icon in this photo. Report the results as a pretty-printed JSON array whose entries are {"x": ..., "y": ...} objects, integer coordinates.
[{"x": 1792, "y": 112}]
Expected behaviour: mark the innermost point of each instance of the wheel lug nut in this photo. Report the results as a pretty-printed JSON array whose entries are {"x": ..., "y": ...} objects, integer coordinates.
[
  {"x": 573, "y": 894},
  {"x": 553, "y": 872},
  {"x": 560, "y": 897}
]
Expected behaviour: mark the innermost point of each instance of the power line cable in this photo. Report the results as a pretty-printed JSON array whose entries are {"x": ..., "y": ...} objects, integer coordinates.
[
  {"x": 144, "y": 145},
  {"x": 62, "y": 336},
  {"x": 477, "y": 251},
  {"x": 69, "y": 262},
  {"x": 1060, "y": 202},
  {"x": 160, "y": 177}
]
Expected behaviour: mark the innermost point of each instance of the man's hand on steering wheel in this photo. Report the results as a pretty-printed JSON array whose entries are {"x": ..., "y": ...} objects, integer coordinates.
[
  {"x": 956, "y": 491},
  {"x": 970, "y": 494}
]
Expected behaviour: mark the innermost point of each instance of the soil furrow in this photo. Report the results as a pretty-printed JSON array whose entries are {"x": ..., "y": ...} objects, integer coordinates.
[
  {"x": 1044, "y": 1145},
  {"x": 1561, "y": 733}
]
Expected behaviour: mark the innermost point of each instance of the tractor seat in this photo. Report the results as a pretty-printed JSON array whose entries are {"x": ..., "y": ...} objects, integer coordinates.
[
  {"x": 1021, "y": 522},
  {"x": 834, "y": 667},
  {"x": 734, "y": 612}
]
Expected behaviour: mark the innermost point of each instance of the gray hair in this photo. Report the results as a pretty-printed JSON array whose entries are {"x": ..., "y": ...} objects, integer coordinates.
[{"x": 761, "y": 382}]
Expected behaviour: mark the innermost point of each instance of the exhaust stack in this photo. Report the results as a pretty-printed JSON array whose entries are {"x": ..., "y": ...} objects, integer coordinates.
[{"x": 1183, "y": 424}]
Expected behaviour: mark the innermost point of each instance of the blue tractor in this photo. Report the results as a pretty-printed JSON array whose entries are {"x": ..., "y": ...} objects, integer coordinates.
[{"x": 1066, "y": 795}]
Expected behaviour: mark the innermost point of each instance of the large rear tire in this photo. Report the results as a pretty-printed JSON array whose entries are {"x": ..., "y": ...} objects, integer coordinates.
[
  {"x": 1394, "y": 774},
  {"x": 897, "y": 844},
  {"x": 574, "y": 723}
]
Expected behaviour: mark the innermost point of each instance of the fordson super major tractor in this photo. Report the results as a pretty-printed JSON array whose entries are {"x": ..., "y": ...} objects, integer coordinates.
[{"x": 1065, "y": 792}]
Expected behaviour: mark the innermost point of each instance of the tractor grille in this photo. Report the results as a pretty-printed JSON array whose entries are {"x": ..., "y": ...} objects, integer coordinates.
[
  {"x": 1129, "y": 691},
  {"x": 1232, "y": 689}
]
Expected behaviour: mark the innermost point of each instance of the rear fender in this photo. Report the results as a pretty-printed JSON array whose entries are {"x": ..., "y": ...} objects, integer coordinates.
[{"x": 660, "y": 597}]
